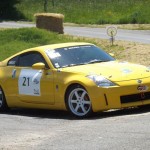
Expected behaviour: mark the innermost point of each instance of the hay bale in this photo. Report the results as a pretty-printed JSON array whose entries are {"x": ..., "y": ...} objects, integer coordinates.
[{"x": 50, "y": 21}]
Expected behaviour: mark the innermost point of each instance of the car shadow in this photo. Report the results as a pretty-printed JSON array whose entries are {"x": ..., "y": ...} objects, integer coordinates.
[
  {"x": 122, "y": 112},
  {"x": 38, "y": 113},
  {"x": 53, "y": 114}
]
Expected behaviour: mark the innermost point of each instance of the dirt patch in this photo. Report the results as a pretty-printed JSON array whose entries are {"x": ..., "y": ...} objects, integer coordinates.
[
  {"x": 127, "y": 51},
  {"x": 134, "y": 52}
]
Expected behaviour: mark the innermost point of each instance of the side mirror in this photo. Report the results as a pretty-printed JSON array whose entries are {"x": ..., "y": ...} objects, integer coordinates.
[{"x": 38, "y": 66}]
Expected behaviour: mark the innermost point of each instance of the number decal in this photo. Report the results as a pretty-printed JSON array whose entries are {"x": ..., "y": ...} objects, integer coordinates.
[
  {"x": 26, "y": 81},
  {"x": 29, "y": 82}
]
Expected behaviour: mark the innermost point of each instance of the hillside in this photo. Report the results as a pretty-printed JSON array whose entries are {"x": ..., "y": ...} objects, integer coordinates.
[{"x": 91, "y": 11}]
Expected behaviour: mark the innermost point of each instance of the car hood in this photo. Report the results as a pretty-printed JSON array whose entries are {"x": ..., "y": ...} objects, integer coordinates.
[{"x": 113, "y": 70}]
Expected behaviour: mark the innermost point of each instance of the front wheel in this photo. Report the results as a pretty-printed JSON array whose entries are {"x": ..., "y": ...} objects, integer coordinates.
[
  {"x": 78, "y": 101},
  {"x": 3, "y": 104}
]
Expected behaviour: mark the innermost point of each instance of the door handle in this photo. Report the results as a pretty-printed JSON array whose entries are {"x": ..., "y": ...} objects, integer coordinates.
[{"x": 14, "y": 73}]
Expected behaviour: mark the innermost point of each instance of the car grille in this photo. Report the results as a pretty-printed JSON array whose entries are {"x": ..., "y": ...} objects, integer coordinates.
[{"x": 135, "y": 97}]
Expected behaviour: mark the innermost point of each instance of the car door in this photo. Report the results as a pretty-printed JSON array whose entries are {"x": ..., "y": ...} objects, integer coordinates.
[{"x": 33, "y": 85}]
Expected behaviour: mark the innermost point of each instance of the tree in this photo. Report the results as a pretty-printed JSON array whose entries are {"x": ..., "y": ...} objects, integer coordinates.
[
  {"x": 45, "y": 5},
  {"x": 8, "y": 9},
  {"x": 53, "y": 4}
]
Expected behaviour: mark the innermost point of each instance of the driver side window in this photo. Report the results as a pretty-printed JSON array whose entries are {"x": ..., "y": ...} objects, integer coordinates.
[{"x": 28, "y": 59}]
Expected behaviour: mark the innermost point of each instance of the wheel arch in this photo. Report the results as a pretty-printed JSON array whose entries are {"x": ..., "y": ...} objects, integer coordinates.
[
  {"x": 69, "y": 86},
  {"x": 1, "y": 88},
  {"x": 5, "y": 105},
  {"x": 84, "y": 84},
  {"x": 68, "y": 90}
]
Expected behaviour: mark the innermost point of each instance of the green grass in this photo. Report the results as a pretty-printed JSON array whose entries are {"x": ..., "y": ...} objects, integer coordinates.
[
  {"x": 92, "y": 11},
  {"x": 15, "y": 40}
]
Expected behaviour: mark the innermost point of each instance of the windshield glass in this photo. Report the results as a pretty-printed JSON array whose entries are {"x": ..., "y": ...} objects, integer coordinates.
[{"x": 77, "y": 55}]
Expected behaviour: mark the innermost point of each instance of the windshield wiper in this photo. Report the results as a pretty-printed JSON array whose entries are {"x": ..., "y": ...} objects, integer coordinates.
[
  {"x": 90, "y": 62},
  {"x": 70, "y": 65},
  {"x": 96, "y": 61}
]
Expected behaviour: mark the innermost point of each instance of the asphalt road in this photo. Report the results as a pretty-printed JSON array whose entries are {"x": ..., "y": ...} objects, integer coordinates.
[
  {"x": 142, "y": 36},
  {"x": 56, "y": 130},
  {"x": 126, "y": 35}
]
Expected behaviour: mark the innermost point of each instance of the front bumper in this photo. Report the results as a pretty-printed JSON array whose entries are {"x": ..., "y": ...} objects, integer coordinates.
[{"x": 126, "y": 94}]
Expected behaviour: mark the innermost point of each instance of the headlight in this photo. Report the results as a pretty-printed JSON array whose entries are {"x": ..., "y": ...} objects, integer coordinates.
[{"x": 100, "y": 81}]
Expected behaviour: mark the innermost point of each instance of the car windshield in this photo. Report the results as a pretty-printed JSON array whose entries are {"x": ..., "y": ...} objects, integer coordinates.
[{"x": 77, "y": 55}]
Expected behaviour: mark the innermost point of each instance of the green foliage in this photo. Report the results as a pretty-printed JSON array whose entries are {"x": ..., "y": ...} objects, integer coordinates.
[
  {"x": 15, "y": 40},
  {"x": 8, "y": 10},
  {"x": 91, "y": 11}
]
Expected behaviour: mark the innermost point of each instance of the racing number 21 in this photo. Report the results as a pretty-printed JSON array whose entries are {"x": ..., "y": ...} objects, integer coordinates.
[{"x": 25, "y": 81}]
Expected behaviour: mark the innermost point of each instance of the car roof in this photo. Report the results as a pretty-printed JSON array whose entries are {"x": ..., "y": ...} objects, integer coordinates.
[{"x": 60, "y": 45}]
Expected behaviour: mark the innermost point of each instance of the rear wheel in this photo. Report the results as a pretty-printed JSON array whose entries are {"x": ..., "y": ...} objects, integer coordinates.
[
  {"x": 3, "y": 104},
  {"x": 78, "y": 101}
]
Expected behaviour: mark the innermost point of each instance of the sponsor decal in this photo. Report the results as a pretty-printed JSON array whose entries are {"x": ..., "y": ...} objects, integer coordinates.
[
  {"x": 126, "y": 71},
  {"x": 142, "y": 88}
]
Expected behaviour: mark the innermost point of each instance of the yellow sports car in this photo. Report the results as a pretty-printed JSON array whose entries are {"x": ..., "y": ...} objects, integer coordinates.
[{"x": 78, "y": 77}]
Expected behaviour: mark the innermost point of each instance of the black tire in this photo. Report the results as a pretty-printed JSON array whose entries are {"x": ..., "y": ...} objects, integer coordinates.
[
  {"x": 78, "y": 102},
  {"x": 3, "y": 104}
]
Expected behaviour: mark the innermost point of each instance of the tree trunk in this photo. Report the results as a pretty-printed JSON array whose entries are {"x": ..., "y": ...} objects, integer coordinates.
[{"x": 45, "y": 5}]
